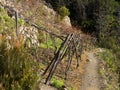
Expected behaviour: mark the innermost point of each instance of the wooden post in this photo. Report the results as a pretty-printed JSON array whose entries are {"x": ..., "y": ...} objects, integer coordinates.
[{"x": 16, "y": 21}]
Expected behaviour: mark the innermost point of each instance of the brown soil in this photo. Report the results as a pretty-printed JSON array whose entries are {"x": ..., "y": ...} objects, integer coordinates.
[
  {"x": 46, "y": 87},
  {"x": 90, "y": 78}
]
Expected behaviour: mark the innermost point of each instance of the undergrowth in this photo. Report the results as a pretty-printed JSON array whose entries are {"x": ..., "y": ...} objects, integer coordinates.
[
  {"x": 108, "y": 70},
  {"x": 7, "y": 23},
  {"x": 57, "y": 83},
  {"x": 18, "y": 68}
]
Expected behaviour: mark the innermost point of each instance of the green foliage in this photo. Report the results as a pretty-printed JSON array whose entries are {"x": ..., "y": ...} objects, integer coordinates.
[
  {"x": 57, "y": 83},
  {"x": 110, "y": 59},
  {"x": 86, "y": 24},
  {"x": 50, "y": 43},
  {"x": 71, "y": 88},
  {"x": 109, "y": 73},
  {"x": 47, "y": 45},
  {"x": 58, "y": 42},
  {"x": 63, "y": 11},
  {"x": 19, "y": 70},
  {"x": 109, "y": 27},
  {"x": 18, "y": 1},
  {"x": 108, "y": 42},
  {"x": 21, "y": 21},
  {"x": 101, "y": 72},
  {"x": 6, "y": 22},
  {"x": 56, "y": 3}
]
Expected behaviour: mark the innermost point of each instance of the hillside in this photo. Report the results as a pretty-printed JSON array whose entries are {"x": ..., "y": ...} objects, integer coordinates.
[{"x": 42, "y": 47}]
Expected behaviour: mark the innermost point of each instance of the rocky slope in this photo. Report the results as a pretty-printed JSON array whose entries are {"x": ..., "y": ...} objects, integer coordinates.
[{"x": 39, "y": 14}]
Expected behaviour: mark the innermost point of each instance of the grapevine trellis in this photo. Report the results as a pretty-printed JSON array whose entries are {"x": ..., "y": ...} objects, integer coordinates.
[{"x": 73, "y": 44}]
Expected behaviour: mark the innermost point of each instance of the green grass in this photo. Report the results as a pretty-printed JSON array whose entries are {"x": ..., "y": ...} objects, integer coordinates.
[
  {"x": 57, "y": 83},
  {"x": 50, "y": 45}
]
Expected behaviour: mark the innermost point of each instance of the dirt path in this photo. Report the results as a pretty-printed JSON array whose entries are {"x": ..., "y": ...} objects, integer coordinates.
[
  {"x": 46, "y": 87},
  {"x": 90, "y": 79}
]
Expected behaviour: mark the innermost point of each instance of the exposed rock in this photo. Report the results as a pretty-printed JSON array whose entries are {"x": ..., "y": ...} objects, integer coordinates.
[
  {"x": 67, "y": 21},
  {"x": 30, "y": 35},
  {"x": 50, "y": 12},
  {"x": 7, "y": 2}
]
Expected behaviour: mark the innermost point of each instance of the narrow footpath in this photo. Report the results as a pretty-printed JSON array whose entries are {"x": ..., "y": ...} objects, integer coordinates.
[{"x": 90, "y": 78}]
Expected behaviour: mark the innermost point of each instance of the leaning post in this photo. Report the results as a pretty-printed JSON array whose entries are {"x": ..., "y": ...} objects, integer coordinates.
[{"x": 16, "y": 21}]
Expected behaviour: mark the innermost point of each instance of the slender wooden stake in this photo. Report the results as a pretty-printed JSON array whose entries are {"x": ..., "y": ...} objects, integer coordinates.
[
  {"x": 16, "y": 20},
  {"x": 75, "y": 44},
  {"x": 68, "y": 64},
  {"x": 81, "y": 48},
  {"x": 47, "y": 40}
]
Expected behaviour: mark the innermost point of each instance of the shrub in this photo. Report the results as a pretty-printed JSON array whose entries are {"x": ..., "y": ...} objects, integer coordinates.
[
  {"x": 109, "y": 73},
  {"x": 57, "y": 83},
  {"x": 18, "y": 69},
  {"x": 63, "y": 11}
]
